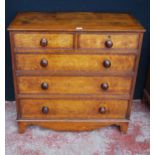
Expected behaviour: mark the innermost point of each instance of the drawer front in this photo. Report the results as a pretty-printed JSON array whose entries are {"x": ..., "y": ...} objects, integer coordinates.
[
  {"x": 47, "y": 109},
  {"x": 93, "y": 63},
  {"x": 73, "y": 85},
  {"x": 37, "y": 40},
  {"x": 121, "y": 41}
]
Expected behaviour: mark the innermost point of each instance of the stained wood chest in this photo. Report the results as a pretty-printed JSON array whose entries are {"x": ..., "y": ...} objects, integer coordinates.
[{"x": 74, "y": 71}]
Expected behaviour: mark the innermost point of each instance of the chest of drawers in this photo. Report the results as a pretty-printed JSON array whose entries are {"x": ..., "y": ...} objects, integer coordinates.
[{"x": 74, "y": 71}]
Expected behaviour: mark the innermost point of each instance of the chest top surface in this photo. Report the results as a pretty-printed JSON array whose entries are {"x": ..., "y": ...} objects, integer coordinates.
[{"x": 75, "y": 21}]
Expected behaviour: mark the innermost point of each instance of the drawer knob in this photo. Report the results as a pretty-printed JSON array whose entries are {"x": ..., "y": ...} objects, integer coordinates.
[
  {"x": 102, "y": 110},
  {"x": 106, "y": 63},
  {"x": 43, "y": 42},
  {"x": 44, "y": 85},
  {"x": 45, "y": 110},
  {"x": 108, "y": 43},
  {"x": 44, "y": 63},
  {"x": 104, "y": 86}
]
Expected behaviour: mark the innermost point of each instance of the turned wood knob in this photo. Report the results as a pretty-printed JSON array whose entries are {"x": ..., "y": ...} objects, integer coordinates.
[
  {"x": 44, "y": 63},
  {"x": 104, "y": 86},
  {"x": 44, "y": 85},
  {"x": 106, "y": 63},
  {"x": 108, "y": 43},
  {"x": 45, "y": 110},
  {"x": 43, "y": 42},
  {"x": 102, "y": 110}
]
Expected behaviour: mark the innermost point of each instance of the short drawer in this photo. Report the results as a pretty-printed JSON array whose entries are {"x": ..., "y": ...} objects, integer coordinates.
[
  {"x": 74, "y": 85},
  {"x": 120, "y": 41},
  {"x": 43, "y": 40},
  {"x": 76, "y": 63},
  {"x": 48, "y": 108}
]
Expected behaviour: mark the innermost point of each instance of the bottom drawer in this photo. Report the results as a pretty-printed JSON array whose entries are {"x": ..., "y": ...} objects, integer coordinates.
[{"x": 67, "y": 108}]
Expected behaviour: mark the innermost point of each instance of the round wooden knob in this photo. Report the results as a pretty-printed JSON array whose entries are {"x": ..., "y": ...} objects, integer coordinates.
[
  {"x": 44, "y": 63},
  {"x": 104, "y": 86},
  {"x": 43, "y": 42},
  {"x": 44, "y": 85},
  {"x": 106, "y": 63},
  {"x": 45, "y": 110},
  {"x": 102, "y": 110},
  {"x": 108, "y": 43}
]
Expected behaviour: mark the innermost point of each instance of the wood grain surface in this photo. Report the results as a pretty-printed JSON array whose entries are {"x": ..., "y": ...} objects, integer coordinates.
[
  {"x": 74, "y": 85},
  {"x": 73, "y": 108},
  {"x": 32, "y": 40},
  {"x": 74, "y": 125},
  {"x": 75, "y": 21},
  {"x": 76, "y": 62},
  {"x": 120, "y": 41}
]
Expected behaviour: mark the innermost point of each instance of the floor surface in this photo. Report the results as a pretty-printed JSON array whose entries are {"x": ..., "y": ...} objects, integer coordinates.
[{"x": 104, "y": 141}]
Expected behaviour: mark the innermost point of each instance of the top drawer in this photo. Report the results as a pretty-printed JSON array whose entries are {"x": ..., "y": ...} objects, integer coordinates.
[
  {"x": 42, "y": 40},
  {"x": 120, "y": 41}
]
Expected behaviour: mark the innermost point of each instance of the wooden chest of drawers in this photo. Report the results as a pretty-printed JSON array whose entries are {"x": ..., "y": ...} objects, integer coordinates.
[{"x": 74, "y": 71}]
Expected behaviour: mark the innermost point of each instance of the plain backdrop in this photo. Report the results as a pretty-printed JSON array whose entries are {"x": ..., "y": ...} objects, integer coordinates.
[{"x": 140, "y": 9}]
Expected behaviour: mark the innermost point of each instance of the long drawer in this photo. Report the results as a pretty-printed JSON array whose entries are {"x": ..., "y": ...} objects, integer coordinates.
[
  {"x": 74, "y": 84},
  {"x": 48, "y": 109},
  {"x": 75, "y": 62}
]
